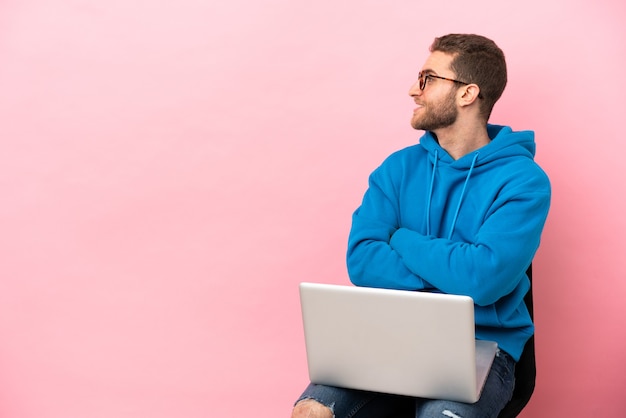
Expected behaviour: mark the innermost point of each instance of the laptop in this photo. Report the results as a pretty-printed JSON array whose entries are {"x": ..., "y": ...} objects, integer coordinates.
[{"x": 393, "y": 341}]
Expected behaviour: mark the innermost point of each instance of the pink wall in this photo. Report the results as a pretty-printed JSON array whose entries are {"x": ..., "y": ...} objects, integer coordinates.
[{"x": 171, "y": 170}]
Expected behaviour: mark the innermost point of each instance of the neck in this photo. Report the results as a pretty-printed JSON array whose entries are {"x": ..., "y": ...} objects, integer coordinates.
[{"x": 459, "y": 141}]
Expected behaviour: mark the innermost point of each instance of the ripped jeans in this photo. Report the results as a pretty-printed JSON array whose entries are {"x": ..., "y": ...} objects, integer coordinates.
[{"x": 349, "y": 403}]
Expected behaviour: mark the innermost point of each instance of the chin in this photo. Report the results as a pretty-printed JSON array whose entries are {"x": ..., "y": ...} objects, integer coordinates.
[{"x": 415, "y": 124}]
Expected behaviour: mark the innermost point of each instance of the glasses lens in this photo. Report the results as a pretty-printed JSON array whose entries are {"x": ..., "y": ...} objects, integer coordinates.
[{"x": 422, "y": 80}]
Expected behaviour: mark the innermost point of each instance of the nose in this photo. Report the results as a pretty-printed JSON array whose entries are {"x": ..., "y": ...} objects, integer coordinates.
[{"x": 415, "y": 89}]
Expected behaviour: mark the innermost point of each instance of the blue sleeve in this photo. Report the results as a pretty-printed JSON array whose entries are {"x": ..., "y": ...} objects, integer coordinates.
[
  {"x": 491, "y": 265},
  {"x": 371, "y": 260}
]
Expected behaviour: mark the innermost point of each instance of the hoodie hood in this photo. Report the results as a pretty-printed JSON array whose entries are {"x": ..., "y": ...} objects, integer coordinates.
[{"x": 504, "y": 143}]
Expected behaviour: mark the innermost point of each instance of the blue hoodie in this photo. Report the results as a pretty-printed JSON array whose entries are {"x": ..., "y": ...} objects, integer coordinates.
[{"x": 469, "y": 227}]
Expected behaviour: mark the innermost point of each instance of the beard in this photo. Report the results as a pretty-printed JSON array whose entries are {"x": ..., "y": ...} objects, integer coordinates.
[{"x": 437, "y": 115}]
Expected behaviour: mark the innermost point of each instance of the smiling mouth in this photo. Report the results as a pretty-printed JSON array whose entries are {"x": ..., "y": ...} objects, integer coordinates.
[{"x": 419, "y": 106}]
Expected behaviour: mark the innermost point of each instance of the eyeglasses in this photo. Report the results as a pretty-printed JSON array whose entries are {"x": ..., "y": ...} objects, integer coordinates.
[{"x": 423, "y": 79}]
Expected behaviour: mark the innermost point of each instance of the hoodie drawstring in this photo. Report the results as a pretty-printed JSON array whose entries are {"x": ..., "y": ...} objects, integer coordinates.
[
  {"x": 458, "y": 207},
  {"x": 430, "y": 193}
]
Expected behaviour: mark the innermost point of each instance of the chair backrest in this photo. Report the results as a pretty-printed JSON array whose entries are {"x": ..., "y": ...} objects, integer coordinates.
[{"x": 525, "y": 370}]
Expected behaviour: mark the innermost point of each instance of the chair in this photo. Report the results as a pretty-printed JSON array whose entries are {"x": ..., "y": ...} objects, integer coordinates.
[{"x": 525, "y": 370}]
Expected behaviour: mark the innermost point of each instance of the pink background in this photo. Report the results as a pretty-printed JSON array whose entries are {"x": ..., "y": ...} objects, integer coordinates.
[{"x": 170, "y": 171}]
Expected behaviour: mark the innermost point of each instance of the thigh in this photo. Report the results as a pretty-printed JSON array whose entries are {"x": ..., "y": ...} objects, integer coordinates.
[
  {"x": 497, "y": 391},
  {"x": 350, "y": 403}
]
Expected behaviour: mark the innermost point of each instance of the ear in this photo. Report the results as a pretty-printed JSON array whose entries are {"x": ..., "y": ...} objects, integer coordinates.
[{"x": 468, "y": 94}]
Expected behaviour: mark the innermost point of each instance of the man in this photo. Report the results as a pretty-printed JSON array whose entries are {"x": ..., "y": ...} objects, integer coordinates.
[{"x": 461, "y": 213}]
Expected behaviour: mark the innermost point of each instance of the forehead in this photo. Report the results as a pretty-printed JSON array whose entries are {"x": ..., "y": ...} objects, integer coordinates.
[{"x": 438, "y": 63}]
